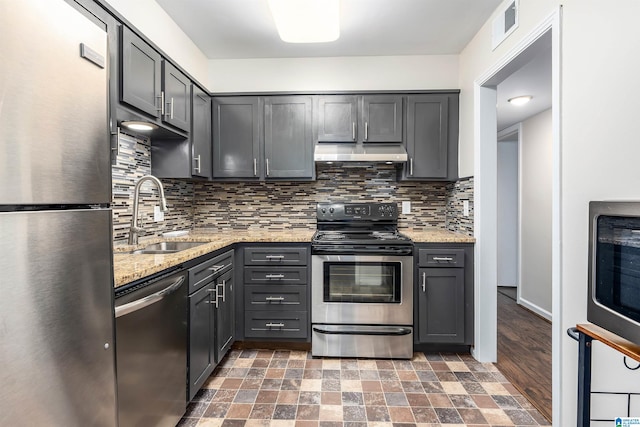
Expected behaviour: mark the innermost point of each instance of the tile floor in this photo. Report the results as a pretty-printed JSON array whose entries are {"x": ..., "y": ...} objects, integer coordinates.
[{"x": 290, "y": 388}]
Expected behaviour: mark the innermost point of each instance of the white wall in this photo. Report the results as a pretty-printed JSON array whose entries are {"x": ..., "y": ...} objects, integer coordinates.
[
  {"x": 599, "y": 89},
  {"x": 477, "y": 58},
  {"x": 600, "y": 148},
  {"x": 536, "y": 175},
  {"x": 148, "y": 17},
  {"x": 326, "y": 74},
  {"x": 508, "y": 213}
]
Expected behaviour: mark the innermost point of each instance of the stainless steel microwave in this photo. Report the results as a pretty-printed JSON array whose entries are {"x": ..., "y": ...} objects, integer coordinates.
[{"x": 614, "y": 268}]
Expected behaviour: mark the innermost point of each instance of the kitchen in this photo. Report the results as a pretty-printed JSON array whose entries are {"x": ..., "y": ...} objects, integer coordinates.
[{"x": 472, "y": 62}]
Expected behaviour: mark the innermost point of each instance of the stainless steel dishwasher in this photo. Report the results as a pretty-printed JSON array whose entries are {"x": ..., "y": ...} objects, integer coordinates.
[{"x": 151, "y": 351}]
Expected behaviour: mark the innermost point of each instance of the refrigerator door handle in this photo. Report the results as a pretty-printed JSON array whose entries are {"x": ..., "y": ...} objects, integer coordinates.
[{"x": 150, "y": 299}]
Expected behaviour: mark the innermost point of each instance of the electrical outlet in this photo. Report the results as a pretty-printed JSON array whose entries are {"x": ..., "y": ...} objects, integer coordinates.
[
  {"x": 406, "y": 207},
  {"x": 158, "y": 215},
  {"x": 465, "y": 208}
]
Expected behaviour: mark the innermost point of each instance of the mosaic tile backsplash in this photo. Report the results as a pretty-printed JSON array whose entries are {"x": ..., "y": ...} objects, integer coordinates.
[{"x": 277, "y": 205}]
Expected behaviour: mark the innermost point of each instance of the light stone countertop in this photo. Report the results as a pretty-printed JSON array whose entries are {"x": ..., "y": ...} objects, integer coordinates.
[
  {"x": 436, "y": 235},
  {"x": 131, "y": 267}
]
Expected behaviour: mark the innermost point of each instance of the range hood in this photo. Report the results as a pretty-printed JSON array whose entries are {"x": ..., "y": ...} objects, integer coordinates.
[{"x": 362, "y": 153}]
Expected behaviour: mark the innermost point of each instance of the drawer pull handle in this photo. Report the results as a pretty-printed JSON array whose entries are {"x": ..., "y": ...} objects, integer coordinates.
[
  {"x": 437, "y": 258},
  {"x": 216, "y": 268},
  {"x": 274, "y": 276},
  {"x": 424, "y": 281},
  {"x": 274, "y": 325},
  {"x": 274, "y": 298},
  {"x": 274, "y": 257}
]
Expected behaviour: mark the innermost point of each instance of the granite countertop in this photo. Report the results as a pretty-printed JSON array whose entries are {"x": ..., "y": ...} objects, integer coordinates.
[
  {"x": 129, "y": 267},
  {"x": 436, "y": 235}
]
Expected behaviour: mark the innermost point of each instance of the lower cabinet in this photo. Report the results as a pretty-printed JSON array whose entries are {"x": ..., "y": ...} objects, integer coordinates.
[
  {"x": 211, "y": 318},
  {"x": 275, "y": 281},
  {"x": 444, "y": 294}
]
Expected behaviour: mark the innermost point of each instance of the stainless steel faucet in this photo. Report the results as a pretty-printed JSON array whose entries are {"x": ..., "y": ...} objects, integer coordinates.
[{"x": 134, "y": 230}]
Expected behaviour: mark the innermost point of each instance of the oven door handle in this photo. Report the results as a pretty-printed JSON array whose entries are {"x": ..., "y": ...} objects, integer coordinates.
[{"x": 385, "y": 330}]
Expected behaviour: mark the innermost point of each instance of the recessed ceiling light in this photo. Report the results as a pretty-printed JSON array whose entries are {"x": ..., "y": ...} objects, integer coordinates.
[
  {"x": 306, "y": 21},
  {"x": 520, "y": 100},
  {"x": 139, "y": 126}
]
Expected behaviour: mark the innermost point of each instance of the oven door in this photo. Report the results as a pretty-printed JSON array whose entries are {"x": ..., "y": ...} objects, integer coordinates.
[{"x": 362, "y": 289}]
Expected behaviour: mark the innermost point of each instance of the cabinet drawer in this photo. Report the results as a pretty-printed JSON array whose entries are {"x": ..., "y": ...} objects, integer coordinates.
[
  {"x": 275, "y": 275},
  {"x": 269, "y": 297},
  {"x": 271, "y": 324},
  {"x": 441, "y": 258},
  {"x": 204, "y": 273},
  {"x": 275, "y": 256}
]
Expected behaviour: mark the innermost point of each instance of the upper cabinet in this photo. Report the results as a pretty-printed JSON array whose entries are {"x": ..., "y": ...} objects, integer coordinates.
[
  {"x": 236, "y": 137},
  {"x": 201, "y": 133},
  {"x": 176, "y": 91},
  {"x": 288, "y": 140},
  {"x": 141, "y": 74},
  {"x": 151, "y": 84},
  {"x": 432, "y": 137},
  {"x": 262, "y": 138},
  {"x": 360, "y": 118},
  {"x": 190, "y": 157}
]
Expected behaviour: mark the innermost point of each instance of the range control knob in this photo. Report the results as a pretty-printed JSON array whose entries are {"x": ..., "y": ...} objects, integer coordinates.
[
  {"x": 331, "y": 210},
  {"x": 324, "y": 210}
]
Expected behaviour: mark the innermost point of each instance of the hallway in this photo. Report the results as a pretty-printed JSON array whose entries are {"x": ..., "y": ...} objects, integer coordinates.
[{"x": 526, "y": 363}]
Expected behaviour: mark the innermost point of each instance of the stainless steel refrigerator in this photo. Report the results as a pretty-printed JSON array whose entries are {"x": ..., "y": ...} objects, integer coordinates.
[{"x": 56, "y": 273}]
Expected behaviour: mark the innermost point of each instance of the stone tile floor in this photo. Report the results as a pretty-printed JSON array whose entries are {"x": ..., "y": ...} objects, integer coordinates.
[{"x": 284, "y": 388}]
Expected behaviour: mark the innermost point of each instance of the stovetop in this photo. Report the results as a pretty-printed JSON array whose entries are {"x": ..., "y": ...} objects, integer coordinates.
[{"x": 358, "y": 227}]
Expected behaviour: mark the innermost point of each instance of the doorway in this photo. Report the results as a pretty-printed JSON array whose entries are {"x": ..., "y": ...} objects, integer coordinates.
[{"x": 486, "y": 172}]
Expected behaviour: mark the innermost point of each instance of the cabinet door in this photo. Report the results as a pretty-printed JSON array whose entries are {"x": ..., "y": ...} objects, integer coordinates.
[
  {"x": 441, "y": 305},
  {"x": 141, "y": 73},
  {"x": 236, "y": 138},
  {"x": 427, "y": 136},
  {"x": 337, "y": 118},
  {"x": 177, "y": 97},
  {"x": 225, "y": 324},
  {"x": 201, "y": 338},
  {"x": 381, "y": 118},
  {"x": 201, "y": 133},
  {"x": 288, "y": 140}
]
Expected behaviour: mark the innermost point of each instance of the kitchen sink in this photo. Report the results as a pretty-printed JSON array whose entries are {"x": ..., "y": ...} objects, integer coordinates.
[{"x": 167, "y": 247}]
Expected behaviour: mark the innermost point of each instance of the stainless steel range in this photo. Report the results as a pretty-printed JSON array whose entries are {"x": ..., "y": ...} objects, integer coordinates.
[{"x": 361, "y": 283}]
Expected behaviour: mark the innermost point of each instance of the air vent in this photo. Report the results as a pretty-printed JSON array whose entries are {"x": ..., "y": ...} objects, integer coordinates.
[{"x": 504, "y": 24}]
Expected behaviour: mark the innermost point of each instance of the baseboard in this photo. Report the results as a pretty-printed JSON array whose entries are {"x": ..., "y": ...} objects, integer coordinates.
[{"x": 535, "y": 309}]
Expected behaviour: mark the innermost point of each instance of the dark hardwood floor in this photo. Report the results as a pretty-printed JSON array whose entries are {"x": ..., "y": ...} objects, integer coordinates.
[{"x": 524, "y": 351}]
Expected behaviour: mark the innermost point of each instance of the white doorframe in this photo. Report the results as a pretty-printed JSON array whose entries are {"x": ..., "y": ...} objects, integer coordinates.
[{"x": 485, "y": 198}]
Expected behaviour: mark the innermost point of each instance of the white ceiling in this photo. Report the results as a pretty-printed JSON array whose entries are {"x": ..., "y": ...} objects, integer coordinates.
[
  {"x": 245, "y": 29},
  {"x": 533, "y": 78}
]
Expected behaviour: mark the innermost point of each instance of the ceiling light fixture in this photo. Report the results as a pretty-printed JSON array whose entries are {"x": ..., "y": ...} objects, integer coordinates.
[
  {"x": 520, "y": 100},
  {"x": 306, "y": 21},
  {"x": 139, "y": 126}
]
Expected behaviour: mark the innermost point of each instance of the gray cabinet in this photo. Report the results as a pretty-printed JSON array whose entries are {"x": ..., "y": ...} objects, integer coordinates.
[
  {"x": 381, "y": 118},
  {"x": 337, "y": 118},
  {"x": 355, "y": 118},
  {"x": 200, "y": 135},
  {"x": 432, "y": 137},
  {"x": 275, "y": 281},
  {"x": 211, "y": 317},
  {"x": 288, "y": 138},
  {"x": 153, "y": 85},
  {"x": 190, "y": 157},
  {"x": 444, "y": 290},
  {"x": 176, "y": 91},
  {"x": 236, "y": 137},
  {"x": 263, "y": 138},
  {"x": 141, "y": 73}
]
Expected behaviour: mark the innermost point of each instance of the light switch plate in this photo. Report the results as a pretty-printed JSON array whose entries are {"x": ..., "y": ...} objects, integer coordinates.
[
  {"x": 465, "y": 208},
  {"x": 158, "y": 215},
  {"x": 406, "y": 207}
]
